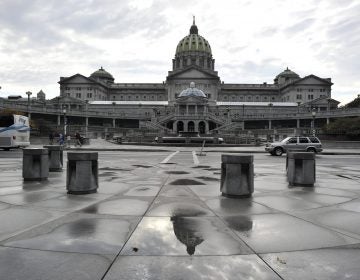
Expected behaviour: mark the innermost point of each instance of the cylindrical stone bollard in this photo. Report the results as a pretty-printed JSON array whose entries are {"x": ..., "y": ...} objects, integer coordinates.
[
  {"x": 237, "y": 175},
  {"x": 301, "y": 168},
  {"x": 55, "y": 157},
  {"x": 82, "y": 173},
  {"x": 35, "y": 164}
]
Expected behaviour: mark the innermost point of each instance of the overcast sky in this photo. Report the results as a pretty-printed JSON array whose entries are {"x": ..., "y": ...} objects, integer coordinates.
[{"x": 135, "y": 40}]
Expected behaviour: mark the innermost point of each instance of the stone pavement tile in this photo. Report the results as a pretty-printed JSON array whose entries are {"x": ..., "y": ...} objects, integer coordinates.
[
  {"x": 323, "y": 264},
  {"x": 245, "y": 267},
  {"x": 143, "y": 190},
  {"x": 176, "y": 191},
  {"x": 328, "y": 191},
  {"x": 18, "y": 264},
  {"x": 210, "y": 190},
  {"x": 270, "y": 183},
  {"x": 345, "y": 221},
  {"x": 14, "y": 220},
  {"x": 266, "y": 233},
  {"x": 176, "y": 206},
  {"x": 79, "y": 233},
  {"x": 339, "y": 183},
  {"x": 281, "y": 203},
  {"x": 4, "y": 205},
  {"x": 120, "y": 205},
  {"x": 179, "y": 235},
  {"x": 311, "y": 196},
  {"x": 28, "y": 197},
  {"x": 224, "y": 206},
  {"x": 353, "y": 205},
  {"x": 69, "y": 203}
]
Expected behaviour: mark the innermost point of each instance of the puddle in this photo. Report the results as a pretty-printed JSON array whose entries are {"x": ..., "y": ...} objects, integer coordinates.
[
  {"x": 343, "y": 176},
  {"x": 142, "y": 166},
  {"x": 114, "y": 169},
  {"x": 212, "y": 169},
  {"x": 177, "y": 172},
  {"x": 208, "y": 178},
  {"x": 185, "y": 182}
]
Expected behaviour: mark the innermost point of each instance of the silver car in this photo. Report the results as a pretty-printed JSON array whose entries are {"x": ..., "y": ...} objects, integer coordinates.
[{"x": 295, "y": 143}]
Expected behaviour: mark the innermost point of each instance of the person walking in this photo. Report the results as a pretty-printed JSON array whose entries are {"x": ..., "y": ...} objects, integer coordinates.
[
  {"x": 77, "y": 139},
  {"x": 68, "y": 140},
  {"x": 61, "y": 139},
  {"x": 51, "y": 138}
]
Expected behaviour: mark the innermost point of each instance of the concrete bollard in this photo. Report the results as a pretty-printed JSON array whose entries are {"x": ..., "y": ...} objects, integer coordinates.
[
  {"x": 300, "y": 168},
  {"x": 237, "y": 175},
  {"x": 55, "y": 157},
  {"x": 35, "y": 164},
  {"x": 82, "y": 173}
]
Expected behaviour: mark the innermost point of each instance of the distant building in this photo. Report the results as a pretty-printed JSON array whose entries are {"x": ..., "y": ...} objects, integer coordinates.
[{"x": 208, "y": 100}]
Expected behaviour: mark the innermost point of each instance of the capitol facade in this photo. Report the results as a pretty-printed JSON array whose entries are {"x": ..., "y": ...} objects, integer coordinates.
[{"x": 193, "y": 97}]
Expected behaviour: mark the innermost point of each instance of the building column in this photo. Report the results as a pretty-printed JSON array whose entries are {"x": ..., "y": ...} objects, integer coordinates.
[
  {"x": 113, "y": 121},
  {"x": 86, "y": 126},
  {"x": 269, "y": 124},
  {"x": 327, "y": 121},
  {"x": 196, "y": 125},
  {"x": 206, "y": 127},
  {"x": 298, "y": 123},
  {"x": 175, "y": 126},
  {"x": 58, "y": 120},
  {"x": 196, "y": 110},
  {"x": 187, "y": 109},
  {"x": 186, "y": 125}
]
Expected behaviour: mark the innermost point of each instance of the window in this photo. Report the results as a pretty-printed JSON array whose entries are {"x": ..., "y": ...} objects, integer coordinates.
[
  {"x": 209, "y": 95},
  {"x": 299, "y": 96},
  {"x": 314, "y": 140},
  {"x": 78, "y": 95},
  {"x": 67, "y": 88},
  {"x": 144, "y": 97},
  {"x": 292, "y": 140},
  {"x": 78, "y": 88},
  {"x": 137, "y": 97},
  {"x": 89, "y": 95},
  {"x": 89, "y": 88},
  {"x": 299, "y": 90},
  {"x": 152, "y": 96},
  {"x": 310, "y": 96},
  {"x": 303, "y": 140},
  {"x": 121, "y": 97},
  {"x": 311, "y": 90}
]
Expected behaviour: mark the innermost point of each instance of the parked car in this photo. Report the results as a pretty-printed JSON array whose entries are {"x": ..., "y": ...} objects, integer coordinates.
[{"x": 295, "y": 143}]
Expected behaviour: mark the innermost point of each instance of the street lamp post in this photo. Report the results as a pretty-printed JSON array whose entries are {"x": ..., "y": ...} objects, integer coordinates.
[
  {"x": 86, "y": 118},
  {"x": 65, "y": 122},
  {"x": 313, "y": 113},
  {"x": 29, "y": 93}
]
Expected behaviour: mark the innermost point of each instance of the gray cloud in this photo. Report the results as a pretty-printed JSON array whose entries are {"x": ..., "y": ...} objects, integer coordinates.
[{"x": 299, "y": 27}]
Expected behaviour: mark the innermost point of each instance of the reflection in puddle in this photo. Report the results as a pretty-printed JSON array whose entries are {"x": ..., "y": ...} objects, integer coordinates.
[
  {"x": 187, "y": 232},
  {"x": 240, "y": 223},
  {"x": 185, "y": 182}
]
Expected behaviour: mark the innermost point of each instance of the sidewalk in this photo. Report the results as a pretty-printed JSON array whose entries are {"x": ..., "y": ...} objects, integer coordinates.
[{"x": 103, "y": 145}]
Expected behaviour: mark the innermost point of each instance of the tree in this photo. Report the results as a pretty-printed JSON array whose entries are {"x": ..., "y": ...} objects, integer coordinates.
[
  {"x": 344, "y": 126},
  {"x": 354, "y": 104}
]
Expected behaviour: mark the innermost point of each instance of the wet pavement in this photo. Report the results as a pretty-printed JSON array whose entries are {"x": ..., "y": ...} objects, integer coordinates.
[{"x": 160, "y": 215}]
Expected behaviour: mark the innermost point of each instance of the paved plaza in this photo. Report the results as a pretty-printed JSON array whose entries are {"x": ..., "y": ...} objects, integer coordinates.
[{"x": 159, "y": 214}]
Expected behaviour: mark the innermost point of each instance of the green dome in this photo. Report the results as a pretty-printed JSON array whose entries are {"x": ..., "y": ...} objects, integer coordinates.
[
  {"x": 102, "y": 74},
  {"x": 193, "y": 42},
  {"x": 288, "y": 73}
]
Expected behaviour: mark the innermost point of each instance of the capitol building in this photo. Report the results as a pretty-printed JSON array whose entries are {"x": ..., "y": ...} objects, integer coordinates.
[{"x": 192, "y": 98}]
